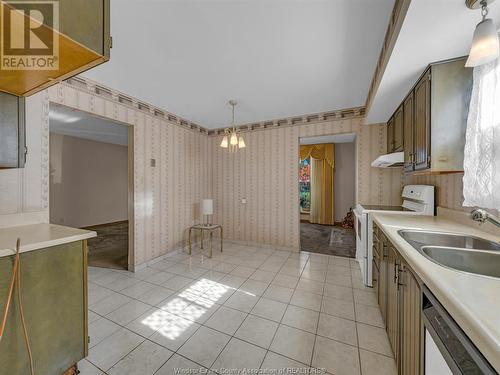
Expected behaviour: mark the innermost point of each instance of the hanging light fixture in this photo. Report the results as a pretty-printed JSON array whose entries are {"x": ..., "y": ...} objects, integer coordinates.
[
  {"x": 485, "y": 44},
  {"x": 232, "y": 140}
]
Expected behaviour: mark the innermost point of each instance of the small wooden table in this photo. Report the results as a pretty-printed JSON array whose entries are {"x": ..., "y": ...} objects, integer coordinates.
[{"x": 210, "y": 228}]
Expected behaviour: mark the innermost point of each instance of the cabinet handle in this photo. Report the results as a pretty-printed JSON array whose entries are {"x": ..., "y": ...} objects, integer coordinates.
[{"x": 395, "y": 272}]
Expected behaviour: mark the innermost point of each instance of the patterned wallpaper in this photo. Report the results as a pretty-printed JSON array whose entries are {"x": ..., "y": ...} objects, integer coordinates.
[{"x": 266, "y": 175}]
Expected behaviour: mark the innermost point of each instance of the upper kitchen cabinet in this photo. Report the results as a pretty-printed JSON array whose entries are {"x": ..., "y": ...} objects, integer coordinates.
[
  {"x": 47, "y": 42},
  {"x": 434, "y": 119},
  {"x": 408, "y": 119},
  {"x": 395, "y": 132},
  {"x": 12, "y": 137}
]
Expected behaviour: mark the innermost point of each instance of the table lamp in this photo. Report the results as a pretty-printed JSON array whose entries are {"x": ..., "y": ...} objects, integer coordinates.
[{"x": 207, "y": 209}]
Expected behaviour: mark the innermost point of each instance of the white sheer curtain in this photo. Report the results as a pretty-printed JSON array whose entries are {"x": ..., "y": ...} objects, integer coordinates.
[{"x": 482, "y": 146}]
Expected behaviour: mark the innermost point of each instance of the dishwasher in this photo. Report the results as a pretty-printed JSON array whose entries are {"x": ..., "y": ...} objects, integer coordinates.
[{"x": 448, "y": 350}]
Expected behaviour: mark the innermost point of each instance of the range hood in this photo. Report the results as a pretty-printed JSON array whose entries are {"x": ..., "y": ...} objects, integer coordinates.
[{"x": 394, "y": 160}]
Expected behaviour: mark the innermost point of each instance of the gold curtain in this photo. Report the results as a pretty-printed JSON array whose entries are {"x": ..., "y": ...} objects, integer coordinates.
[{"x": 322, "y": 182}]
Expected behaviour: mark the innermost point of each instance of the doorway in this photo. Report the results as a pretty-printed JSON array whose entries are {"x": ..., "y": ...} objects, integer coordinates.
[
  {"x": 89, "y": 181},
  {"x": 327, "y": 175}
]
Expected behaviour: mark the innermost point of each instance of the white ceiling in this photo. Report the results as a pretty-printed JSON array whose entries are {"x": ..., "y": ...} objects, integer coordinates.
[
  {"x": 337, "y": 138},
  {"x": 433, "y": 30},
  {"x": 277, "y": 58},
  {"x": 74, "y": 123}
]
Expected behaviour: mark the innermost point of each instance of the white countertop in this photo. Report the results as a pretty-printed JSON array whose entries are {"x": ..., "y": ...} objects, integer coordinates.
[
  {"x": 472, "y": 300},
  {"x": 39, "y": 236}
]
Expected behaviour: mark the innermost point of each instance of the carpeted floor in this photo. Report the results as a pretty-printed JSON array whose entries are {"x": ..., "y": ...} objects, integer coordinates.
[
  {"x": 110, "y": 248},
  {"x": 325, "y": 239}
]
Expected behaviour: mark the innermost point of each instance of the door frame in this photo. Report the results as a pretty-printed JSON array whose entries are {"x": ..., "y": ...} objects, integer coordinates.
[{"x": 130, "y": 178}]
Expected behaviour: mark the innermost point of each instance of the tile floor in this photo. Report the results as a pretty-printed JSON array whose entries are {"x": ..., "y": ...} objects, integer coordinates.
[{"x": 249, "y": 308}]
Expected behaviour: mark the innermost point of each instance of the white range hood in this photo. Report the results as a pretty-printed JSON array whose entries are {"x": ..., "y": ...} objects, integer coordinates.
[{"x": 394, "y": 160}]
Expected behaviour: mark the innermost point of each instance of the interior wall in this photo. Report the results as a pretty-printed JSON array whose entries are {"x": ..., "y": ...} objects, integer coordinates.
[
  {"x": 265, "y": 175},
  {"x": 167, "y": 195},
  {"x": 24, "y": 192},
  {"x": 88, "y": 182},
  {"x": 344, "y": 180}
]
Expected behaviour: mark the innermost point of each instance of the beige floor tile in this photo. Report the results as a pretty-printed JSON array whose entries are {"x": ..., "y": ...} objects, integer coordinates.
[
  {"x": 374, "y": 339},
  {"x": 219, "y": 293},
  {"x": 269, "y": 309},
  {"x": 337, "y": 329},
  {"x": 336, "y": 357},
  {"x": 338, "y": 307},
  {"x": 232, "y": 281},
  {"x": 338, "y": 270},
  {"x": 243, "y": 271},
  {"x": 299, "y": 317},
  {"x": 138, "y": 289},
  {"x": 128, "y": 312},
  {"x": 177, "y": 362},
  {"x": 310, "y": 286},
  {"x": 173, "y": 330},
  {"x": 204, "y": 346},
  {"x": 339, "y": 292},
  {"x": 369, "y": 315},
  {"x": 257, "y": 330},
  {"x": 279, "y": 293},
  {"x": 310, "y": 273},
  {"x": 375, "y": 364},
  {"x": 263, "y": 276},
  {"x": 146, "y": 359},
  {"x": 87, "y": 368},
  {"x": 100, "y": 329},
  {"x": 254, "y": 287},
  {"x": 156, "y": 295},
  {"x": 113, "y": 348},
  {"x": 159, "y": 278},
  {"x": 177, "y": 282},
  {"x": 110, "y": 304},
  {"x": 226, "y": 320},
  {"x": 342, "y": 280},
  {"x": 239, "y": 355},
  {"x": 307, "y": 300},
  {"x": 242, "y": 301},
  {"x": 293, "y": 343},
  {"x": 200, "y": 310},
  {"x": 365, "y": 297},
  {"x": 274, "y": 363},
  {"x": 286, "y": 281}
]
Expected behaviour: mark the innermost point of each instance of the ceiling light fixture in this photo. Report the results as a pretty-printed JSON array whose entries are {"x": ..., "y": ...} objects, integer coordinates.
[
  {"x": 231, "y": 139},
  {"x": 485, "y": 44}
]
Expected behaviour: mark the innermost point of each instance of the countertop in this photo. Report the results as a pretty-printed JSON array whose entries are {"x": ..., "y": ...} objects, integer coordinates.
[
  {"x": 39, "y": 236},
  {"x": 472, "y": 300}
]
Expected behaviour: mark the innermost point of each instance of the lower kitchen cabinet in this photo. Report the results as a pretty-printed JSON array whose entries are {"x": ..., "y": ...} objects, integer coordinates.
[
  {"x": 399, "y": 294},
  {"x": 411, "y": 321}
]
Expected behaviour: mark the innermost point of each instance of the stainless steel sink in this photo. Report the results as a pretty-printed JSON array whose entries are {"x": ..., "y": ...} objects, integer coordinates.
[
  {"x": 460, "y": 252},
  {"x": 418, "y": 238},
  {"x": 485, "y": 263}
]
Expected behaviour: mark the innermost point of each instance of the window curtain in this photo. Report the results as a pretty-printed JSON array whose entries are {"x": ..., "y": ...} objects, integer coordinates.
[
  {"x": 482, "y": 146},
  {"x": 322, "y": 182}
]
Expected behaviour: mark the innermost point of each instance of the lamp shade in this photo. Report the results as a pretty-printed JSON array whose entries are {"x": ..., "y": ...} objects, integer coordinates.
[
  {"x": 207, "y": 207},
  {"x": 485, "y": 44}
]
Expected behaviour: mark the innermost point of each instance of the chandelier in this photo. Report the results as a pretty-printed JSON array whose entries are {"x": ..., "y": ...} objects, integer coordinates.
[{"x": 231, "y": 139}]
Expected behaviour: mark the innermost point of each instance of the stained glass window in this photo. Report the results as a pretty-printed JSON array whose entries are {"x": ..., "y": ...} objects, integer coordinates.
[{"x": 305, "y": 185}]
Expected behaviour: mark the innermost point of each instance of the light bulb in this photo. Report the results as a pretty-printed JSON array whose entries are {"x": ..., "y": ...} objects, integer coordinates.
[
  {"x": 233, "y": 140},
  {"x": 485, "y": 44},
  {"x": 224, "y": 143},
  {"x": 241, "y": 143}
]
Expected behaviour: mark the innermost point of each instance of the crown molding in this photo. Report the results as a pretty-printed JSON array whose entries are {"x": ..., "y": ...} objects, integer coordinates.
[
  {"x": 116, "y": 96},
  {"x": 395, "y": 23},
  {"x": 341, "y": 114}
]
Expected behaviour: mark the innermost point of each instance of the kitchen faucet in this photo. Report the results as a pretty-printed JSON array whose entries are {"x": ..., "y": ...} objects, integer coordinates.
[{"x": 483, "y": 216}]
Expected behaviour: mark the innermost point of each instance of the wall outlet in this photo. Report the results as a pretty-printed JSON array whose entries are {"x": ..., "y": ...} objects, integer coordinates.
[
  {"x": 243, "y": 201},
  {"x": 153, "y": 163}
]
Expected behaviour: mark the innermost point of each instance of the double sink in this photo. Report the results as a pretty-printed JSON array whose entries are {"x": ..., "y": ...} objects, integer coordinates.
[{"x": 460, "y": 252}]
